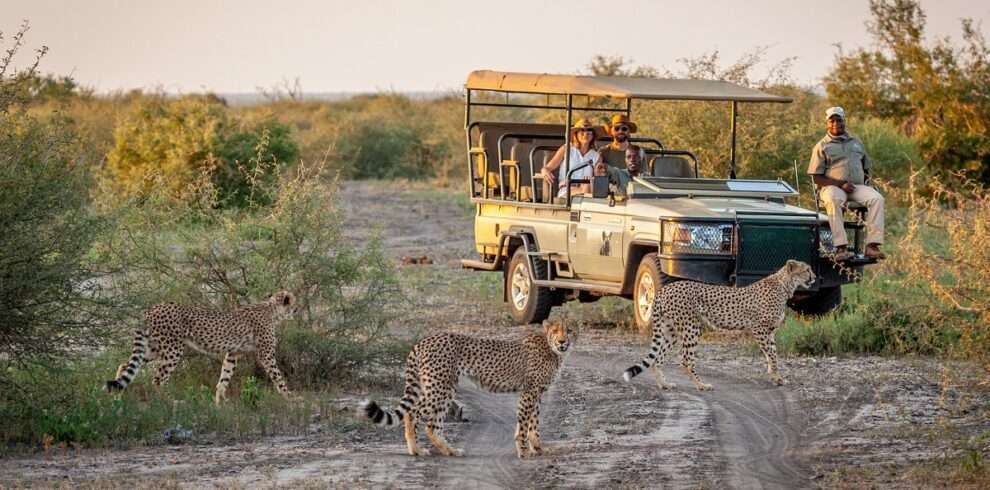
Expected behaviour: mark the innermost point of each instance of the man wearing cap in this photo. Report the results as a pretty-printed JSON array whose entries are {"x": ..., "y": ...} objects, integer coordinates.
[
  {"x": 619, "y": 129},
  {"x": 840, "y": 168}
]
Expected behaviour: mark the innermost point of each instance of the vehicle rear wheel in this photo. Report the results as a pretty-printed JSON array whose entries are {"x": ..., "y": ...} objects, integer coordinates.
[
  {"x": 527, "y": 303},
  {"x": 819, "y": 303},
  {"x": 645, "y": 289}
]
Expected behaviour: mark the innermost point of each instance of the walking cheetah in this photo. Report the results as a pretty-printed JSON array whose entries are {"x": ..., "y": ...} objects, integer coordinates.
[
  {"x": 685, "y": 305},
  {"x": 170, "y": 327},
  {"x": 435, "y": 364}
]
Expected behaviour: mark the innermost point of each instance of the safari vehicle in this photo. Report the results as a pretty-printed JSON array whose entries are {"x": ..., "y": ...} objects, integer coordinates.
[{"x": 672, "y": 224}]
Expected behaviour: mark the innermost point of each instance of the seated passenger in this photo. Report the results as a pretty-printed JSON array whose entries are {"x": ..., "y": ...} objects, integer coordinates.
[
  {"x": 618, "y": 179},
  {"x": 583, "y": 152},
  {"x": 620, "y": 129}
]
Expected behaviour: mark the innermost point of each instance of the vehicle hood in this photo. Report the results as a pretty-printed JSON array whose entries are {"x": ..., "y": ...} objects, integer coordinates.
[{"x": 715, "y": 207}]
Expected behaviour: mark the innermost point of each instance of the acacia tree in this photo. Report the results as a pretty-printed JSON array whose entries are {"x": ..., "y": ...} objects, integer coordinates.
[
  {"x": 937, "y": 93},
  {"x": 51, "y": 305}
]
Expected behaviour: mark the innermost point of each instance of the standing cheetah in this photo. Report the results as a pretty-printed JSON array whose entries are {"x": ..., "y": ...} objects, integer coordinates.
[
  {"x": 686, "y": 305},
  {"x": 435, "y": 364},
  {"x": 170, "y": 327}
]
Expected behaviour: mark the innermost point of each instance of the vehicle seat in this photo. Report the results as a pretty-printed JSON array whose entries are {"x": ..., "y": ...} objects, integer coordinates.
[
  {"x": 523, "y": 185},
  {"x": 671, "y": 166}
]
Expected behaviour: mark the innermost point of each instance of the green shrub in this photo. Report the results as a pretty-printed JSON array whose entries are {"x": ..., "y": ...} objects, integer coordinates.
[
  {"x": 884, "y": 321},
  {"x": 51, "y": 301},
  {"x": 173, "y": 144},
  {"x": 202, "y": 254},
  {"x": 77, "y": 411}
]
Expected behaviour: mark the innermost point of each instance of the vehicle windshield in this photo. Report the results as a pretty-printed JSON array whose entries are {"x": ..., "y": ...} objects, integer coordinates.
[{"x": 721, "y": 185}]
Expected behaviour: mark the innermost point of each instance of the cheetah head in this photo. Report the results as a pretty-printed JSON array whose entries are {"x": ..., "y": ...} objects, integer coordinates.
[
  {"x": 558, "y": 336},
  {"x": 285, "y": 303},
  {"x": 800, "y": 273}
]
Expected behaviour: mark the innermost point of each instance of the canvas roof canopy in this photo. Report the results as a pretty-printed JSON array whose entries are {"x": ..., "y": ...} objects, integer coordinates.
[{"x": 624, "y": 87}]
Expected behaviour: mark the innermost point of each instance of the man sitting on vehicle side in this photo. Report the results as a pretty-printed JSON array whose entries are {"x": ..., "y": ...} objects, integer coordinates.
[
  {"x": 840, "y": 168},
  {"x": 620, "y": 129},
  {"x": 619, "y": 178}
]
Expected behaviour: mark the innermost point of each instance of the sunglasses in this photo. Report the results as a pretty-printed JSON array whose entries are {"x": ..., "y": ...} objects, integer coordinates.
[
  {"x": 586, "y": 130},
  {"x": 620, "y": 128}
]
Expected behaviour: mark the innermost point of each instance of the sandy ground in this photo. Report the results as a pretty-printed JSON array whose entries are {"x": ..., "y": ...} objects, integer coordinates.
[{"x": 839, "y": 422}]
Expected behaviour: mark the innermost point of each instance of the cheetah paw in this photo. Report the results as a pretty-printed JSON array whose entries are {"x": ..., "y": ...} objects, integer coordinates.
[
  {"x": 421, "y": 451},
  {"x": 704, "y": 387}
]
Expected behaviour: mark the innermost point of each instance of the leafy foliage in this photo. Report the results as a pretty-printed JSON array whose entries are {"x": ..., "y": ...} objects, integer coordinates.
[
  {"x": 939, "y": 94},
  {"x": 172, "y": 143},
  {"x": 51, "y": 301}
]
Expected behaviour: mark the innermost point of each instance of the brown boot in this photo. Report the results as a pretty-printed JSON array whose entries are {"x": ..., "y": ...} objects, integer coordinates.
[
  {"x": 873, "y": 251},
  {"x": 841, "y": 254}
]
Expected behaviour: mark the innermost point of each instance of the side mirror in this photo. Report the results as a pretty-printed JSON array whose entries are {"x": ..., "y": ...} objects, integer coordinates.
[{"x": 599, "y": 187}]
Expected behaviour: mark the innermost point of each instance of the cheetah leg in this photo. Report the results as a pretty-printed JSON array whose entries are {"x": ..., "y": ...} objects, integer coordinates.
[
  {"x": 229, "y": 364},
  {"x": 534, "y": 429},
  {"x": 266, "y": 358},
  {"x": 768, "y": 344},
  {"x": 171, "y": 354},
  {"x": 525, "y": 427},
  {"x": 411, "y": 426},
  {"x": 432, "y": 408},
  {"x": 661, "y": 379},
  {"x": 689, "y": 340},
  {"x": 662, "y": 336},
  {"x": 434, "y": 434}
]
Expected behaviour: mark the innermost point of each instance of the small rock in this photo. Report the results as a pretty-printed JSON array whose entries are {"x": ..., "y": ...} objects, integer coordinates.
[{"x": 177, "y": 435}]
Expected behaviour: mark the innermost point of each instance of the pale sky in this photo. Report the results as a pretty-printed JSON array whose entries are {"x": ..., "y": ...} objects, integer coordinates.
[{"x": 374, "y": 45}]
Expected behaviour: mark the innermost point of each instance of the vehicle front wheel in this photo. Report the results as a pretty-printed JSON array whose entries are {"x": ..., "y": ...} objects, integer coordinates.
[
  {"x": 818, "y": 303},
  {"x": 527, "y": 303},
  {"x": 645, "y": 289}
]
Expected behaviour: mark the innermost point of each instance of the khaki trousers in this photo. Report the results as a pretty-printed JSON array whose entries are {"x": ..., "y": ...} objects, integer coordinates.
[{"x": 834, "y": 198}]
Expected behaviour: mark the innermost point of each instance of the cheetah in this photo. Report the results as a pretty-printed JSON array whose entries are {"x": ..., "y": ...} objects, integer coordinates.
[
  {"x": 527, "y": 366},
  {"x": 684, "y": 306},
  {"x": 170, "y": 327}
]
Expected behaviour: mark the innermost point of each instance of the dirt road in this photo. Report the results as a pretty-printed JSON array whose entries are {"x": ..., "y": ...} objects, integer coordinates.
[{"x": 834, "y": 418}]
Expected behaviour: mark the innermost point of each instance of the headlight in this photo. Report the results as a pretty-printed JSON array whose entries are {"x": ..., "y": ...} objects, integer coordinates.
[{"x": 695, "y": 238}]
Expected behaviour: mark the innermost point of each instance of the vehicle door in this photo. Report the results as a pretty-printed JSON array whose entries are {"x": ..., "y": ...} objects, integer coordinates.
[{"x": 595, "y": 240}]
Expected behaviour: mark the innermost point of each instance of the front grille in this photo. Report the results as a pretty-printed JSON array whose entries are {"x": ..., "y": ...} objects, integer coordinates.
[{"x": 765, "y": 248}]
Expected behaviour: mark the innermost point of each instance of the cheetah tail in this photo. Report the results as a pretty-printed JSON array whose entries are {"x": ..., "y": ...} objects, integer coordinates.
[
  {"x": 126, "y": 373},
  {"x": 658, "y": 337},
  {"x": 410, "y": 398}
]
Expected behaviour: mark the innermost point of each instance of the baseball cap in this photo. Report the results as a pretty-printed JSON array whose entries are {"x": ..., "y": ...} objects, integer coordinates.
[{"x": 835, "y": 111}]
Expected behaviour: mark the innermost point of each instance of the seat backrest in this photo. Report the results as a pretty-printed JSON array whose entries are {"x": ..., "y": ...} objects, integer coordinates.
[
  {"x": 672, "y": 166},
  {"x": 487, "y": 136},
  {"x": 520, "y": 154}
]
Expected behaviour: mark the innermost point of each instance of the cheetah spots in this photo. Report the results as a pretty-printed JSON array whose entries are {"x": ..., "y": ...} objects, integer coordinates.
[{"x": 435, "y": 364}]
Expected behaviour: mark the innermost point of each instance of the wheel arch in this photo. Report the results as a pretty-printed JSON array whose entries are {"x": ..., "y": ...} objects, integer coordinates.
[
  {"x": 514, "y": 240},
  {"x": 634, "y": 254}
]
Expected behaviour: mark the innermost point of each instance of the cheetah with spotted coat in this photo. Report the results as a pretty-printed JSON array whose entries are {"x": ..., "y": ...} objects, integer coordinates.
[
  {"x": 170, "y": 327},
  {"x": 436, "y": 363},
  {"x": 685, "y": 305}
]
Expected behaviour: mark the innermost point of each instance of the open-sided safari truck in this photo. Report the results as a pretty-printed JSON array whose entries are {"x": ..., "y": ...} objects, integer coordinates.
[{"x": 672, "y": 224}]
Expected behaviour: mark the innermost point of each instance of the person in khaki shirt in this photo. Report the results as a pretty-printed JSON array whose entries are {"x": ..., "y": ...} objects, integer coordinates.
[
  {"x": 841, "y": 169},
  {"x": 619, "y": 129}
]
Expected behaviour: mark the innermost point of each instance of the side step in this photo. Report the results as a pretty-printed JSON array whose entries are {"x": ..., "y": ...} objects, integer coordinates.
[{"x": 603, "y": 287}]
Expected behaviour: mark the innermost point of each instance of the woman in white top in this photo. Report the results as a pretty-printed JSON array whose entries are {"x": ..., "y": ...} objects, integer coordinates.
[{"x": 583, "y": 152}]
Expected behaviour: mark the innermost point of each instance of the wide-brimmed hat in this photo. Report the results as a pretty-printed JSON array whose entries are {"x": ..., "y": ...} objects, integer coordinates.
[
  {"x": 835, "y": 111},
  {"x": 620, "y": 119},
  {"x": 583, "y": 123}
]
